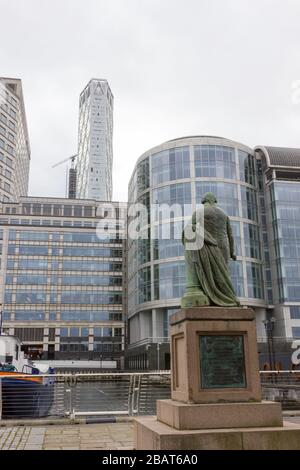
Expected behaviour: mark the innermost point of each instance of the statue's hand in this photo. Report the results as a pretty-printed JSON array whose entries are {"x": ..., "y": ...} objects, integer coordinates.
[{"x": 233, "y": 256}]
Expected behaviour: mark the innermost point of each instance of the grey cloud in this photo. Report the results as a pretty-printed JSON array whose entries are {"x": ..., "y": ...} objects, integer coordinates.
[{"x": 176, "y": 67}]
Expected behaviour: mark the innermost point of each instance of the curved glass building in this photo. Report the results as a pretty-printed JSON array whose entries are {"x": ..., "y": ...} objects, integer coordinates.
[{"x": 178, "y": 173}]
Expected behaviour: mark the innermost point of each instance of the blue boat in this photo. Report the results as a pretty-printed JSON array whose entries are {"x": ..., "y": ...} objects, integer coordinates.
[{"x": 26, "y": 391}]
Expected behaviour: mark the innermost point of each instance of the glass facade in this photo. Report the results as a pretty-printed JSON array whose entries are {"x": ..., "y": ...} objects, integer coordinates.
[
  {"x": 285, "y": 204},
  {"x": 156, "y": 267},
  {"x": 215, "y": 161},
  {"x": 171, "y": 164},
  {"x": 61, "y": 278}
]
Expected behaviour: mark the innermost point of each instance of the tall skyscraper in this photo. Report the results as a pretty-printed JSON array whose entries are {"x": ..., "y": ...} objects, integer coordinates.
[
  {"x": 14, "y": 141},
  {"x": 95, "y": 154}
]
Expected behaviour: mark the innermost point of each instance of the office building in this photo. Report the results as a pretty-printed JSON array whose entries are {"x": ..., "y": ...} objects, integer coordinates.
[
  {"x": 95, "y": 134},
  {"x": 279, "y": 185},
  {"x": 14, "y": 141},
  {"x": 260, "y": 191},
  {"x": 61, "y": 277}
]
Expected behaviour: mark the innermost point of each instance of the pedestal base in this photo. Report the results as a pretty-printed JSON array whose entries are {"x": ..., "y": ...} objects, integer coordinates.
[
  {"x": 151, "y": 434},
  {"x": 194, "y": 298},
  {"x": 186, "y": 416}
]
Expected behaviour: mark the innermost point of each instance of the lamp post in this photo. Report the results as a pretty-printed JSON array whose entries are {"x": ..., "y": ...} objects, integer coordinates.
[
  {"x": 269, "y": 327},
  {"x": 158, "y": 362}
]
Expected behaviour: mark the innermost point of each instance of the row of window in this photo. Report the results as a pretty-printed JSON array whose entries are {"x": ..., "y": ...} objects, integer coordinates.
[
  {"x": 101, "y": 226},
  {"x": 97, "y": 347},
  {"x": 40, "y": 250},
  {"x": 167, "y": 242},
  {"x": 42, "y": 279},
  {"x": 75, "y": 237},
  {"x": 67, "y": 210},
  {"x": 76, "y": 297},
  {"x": 84, "y": 332},
  {"x": 226, "y": 193},
  {"x": 65, "y": 315},
  {"x": 12, "y": 113},
  {"x": 7, "y": 147},
  {"x": 7, "y": 122},
  {"x": 74, "y": 265},
  {"x": 170, "y": 279},
  {"x": 210, "y": 161}
]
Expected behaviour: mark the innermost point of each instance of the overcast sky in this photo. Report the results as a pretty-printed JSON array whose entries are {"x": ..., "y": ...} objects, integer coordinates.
[{"x": 175, "y": 67}]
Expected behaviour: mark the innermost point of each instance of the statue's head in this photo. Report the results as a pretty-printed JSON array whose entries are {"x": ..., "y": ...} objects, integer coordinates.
[{"x": 210, "y": 198}]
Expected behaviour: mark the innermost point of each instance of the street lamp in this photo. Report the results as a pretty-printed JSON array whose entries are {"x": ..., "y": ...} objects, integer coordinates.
[
  {"x": 269, "y": 327},
  {"x": 158, "y": 363}
]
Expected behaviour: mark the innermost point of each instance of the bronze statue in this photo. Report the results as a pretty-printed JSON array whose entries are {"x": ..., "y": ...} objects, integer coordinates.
[{"x": 208, "y": 278}]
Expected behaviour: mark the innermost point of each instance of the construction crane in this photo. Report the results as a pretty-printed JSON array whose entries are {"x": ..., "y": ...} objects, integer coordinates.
[
  {"x": 72, "y": 158},
  {"x": 71, "y": 177}
]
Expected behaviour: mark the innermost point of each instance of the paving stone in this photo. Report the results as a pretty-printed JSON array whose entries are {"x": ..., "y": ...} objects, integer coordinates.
[{"x": 29, "y": 447}]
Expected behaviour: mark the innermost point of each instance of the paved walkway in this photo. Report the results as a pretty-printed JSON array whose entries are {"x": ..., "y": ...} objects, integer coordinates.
[{"x": 70, "y": 437}]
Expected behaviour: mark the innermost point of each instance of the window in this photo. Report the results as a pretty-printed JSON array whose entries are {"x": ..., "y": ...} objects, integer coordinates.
[
  {"x": 33, "y": 250},
  {"x": 67, "y": 211},
  {"x": 9, "y": 162},
  {"x": 107, "y": 331},
  {"x": 6, "y": 186},
  {"x": 295, "y": 312},
  {"x": 247, "y": 167},
  {"x": 296, "y": 331},
  {"x": 77, "y": 211},
  {"x": 254, "y": 279},
  {"x": 88, "y": 211},
  {"x": 31, "y": 297},
  {"x": 29, "y": 315},
  {"x": 13, "y": 113},
  {"x": 12, "y": 125},
  {"x": 26, "y": 209},
  {"x": 215, "y": 161},
  {"x": 169, "y": 280},
  {"x": 57, "y": 210},
  {"x": 91, "y": 297},
  {"x": 10, "y": 149},
  {"x": 249, "y": 203},
  {"x": 179, "y": 194},
  {"x": 74, "y": 331},
  {"x": 47, "y": 209},
  {"x": 226, "y": 194},
  {"x": 36, "y": 209},
  {"x": 8, "y": 174},
  {"x": 252, "y": 242}
]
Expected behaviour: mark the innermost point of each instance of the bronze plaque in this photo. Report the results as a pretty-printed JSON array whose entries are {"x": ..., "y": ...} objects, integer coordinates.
[{"x": 222, "y": 361}]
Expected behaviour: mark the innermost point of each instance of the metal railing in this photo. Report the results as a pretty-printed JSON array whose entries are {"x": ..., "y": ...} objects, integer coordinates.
[
  {"x": 147, "y": 341},
  {"x": 113, "y": 394},
  {"x": 80, "y": 394}
]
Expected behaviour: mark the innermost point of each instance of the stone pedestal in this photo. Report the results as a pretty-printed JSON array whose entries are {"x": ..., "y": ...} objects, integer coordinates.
[
  {"x": 214, "y": 355},
  {"x": 218, "y": 415},
  {"x": 216, "y": 394}
]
